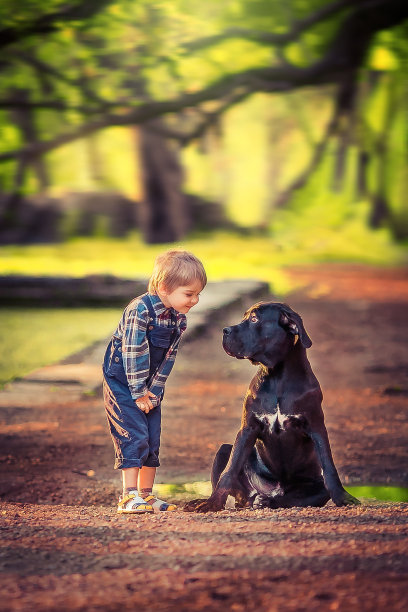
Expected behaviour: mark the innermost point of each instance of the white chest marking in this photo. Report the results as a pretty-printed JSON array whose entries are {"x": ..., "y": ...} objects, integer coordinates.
[{"x": 270, "y": 419}]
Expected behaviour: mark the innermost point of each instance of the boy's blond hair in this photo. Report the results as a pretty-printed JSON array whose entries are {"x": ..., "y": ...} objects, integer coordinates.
[{"x": 176, "y": 268}]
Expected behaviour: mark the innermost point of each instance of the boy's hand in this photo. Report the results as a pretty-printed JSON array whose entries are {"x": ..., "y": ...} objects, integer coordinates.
[{"x": 144, "y": 403}]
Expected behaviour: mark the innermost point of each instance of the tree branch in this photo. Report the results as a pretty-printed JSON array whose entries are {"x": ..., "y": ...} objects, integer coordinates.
[
  {"x": 184, "y": 137},
  {"x": 52, "y": 22},
  {"x": 41, "y": 66},
  {"x": 58, "y": 105},
  {"x": 342, "y": 57},
  {"x": 236, "y": 85},
  {"x": 270, "y": 38}
]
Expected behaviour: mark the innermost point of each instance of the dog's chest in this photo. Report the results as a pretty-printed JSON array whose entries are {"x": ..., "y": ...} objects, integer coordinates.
[
  {"x": 267, "y": 406},
  {"x": 272, "y": 409},
  {"x": 271, "y": 420},
  {"x": 275, "y": 422}
]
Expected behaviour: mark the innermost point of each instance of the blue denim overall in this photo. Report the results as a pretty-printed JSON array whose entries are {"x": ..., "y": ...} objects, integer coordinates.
[{"x": 135, "y": 434}]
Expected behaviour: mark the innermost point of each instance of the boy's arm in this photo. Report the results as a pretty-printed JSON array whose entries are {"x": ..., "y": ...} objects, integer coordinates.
[{"x": 135, "y": 350}]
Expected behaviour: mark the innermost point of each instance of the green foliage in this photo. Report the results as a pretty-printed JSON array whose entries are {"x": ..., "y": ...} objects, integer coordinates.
[
  {"x": 28, "y": 11},
  {"x": 261, "y": 149},
  {"x": 385, "y": 132},
  {"x": 117, "y": 167},
  {"x": 127, "y": 43},
  {"x": 110, "y": 63}
]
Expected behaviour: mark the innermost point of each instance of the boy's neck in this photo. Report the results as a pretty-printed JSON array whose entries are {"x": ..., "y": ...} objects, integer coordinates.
[{"x": 163, "y": 299}]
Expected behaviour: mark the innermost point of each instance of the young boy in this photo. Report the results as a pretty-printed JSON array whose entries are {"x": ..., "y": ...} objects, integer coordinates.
[{"x": 137, "y": 362}]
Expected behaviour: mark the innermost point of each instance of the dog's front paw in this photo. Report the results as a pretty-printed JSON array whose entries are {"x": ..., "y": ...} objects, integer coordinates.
[
  {"x": 346, "y": 499},
  {"x": 261, "y": 501},
  {"x": 204, "y": 505},
  {"x": 192, "y": 505}
]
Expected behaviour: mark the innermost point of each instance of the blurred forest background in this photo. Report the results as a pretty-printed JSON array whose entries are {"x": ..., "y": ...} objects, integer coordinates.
[
  {"x": 257, "y": 133},
  {"x": 170, "y": 116}
]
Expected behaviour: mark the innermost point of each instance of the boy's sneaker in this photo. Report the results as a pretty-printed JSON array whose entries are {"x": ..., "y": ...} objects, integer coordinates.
[
  {"x": 159, "y": 505},
  {"x": 132, "y": 503}
]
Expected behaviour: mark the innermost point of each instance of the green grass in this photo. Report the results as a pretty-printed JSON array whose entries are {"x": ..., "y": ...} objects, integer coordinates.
[
  {"x": 34, "y": 337},
  {"x": 31, "y": 338},
  {"x": 225, "y": 255},
  {"x": 191, "y": 490},
  {"x": 184, "y": 492},
  {"x": 380, "y": 493}
]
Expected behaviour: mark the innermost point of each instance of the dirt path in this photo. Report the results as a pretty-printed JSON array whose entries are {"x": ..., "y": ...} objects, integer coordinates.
[{"x": 64, "y": 548}]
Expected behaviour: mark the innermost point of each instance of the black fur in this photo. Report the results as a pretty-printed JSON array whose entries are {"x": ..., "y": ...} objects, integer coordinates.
[{"x": 281, "y": 456}]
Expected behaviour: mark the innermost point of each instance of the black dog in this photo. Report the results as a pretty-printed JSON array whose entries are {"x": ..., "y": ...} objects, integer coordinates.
[{"x": 281, "y": 457}]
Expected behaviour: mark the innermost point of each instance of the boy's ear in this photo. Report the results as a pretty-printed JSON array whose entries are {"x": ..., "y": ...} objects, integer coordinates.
[{"x": 161, "y": 287}]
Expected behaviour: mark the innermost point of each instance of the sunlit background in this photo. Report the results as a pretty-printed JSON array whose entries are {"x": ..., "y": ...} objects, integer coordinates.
[{"x": 257, "y": 133}]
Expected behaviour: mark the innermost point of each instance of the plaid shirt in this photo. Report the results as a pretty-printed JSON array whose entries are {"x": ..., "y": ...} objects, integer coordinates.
[{"x": 131, "y": 331}]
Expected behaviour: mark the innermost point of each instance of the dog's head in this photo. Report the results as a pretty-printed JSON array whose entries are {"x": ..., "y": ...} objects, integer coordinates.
[{"x": 266, "y": 334}]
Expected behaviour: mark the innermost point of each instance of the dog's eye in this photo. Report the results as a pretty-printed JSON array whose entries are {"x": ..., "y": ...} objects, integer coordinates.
[{"x": 253, "y": 318}]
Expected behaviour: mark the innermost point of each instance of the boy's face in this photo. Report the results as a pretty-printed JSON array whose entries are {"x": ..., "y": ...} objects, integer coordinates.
[{"x": 182, "y": 298}]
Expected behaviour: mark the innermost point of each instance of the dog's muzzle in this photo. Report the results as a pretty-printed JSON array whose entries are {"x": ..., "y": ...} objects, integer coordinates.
[
  {"x": 225, "y": 340},
  {"x": 229, "y": 344}
]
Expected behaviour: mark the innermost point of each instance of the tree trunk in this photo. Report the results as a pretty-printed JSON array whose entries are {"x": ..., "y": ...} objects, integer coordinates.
[
  {"x": 94, "y": 158},
  {"x": 379, "y": 211},
  {"x": 362, "y": 166},
  {"x": 164, "y": 215},
  {"x": 346, "y": 98},
  {"x": 24, "y": 120},
  {"x": 340, "y": 163}
]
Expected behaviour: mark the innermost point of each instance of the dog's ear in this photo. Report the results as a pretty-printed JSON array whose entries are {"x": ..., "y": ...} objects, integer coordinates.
[{"x": 292, "y": 322}]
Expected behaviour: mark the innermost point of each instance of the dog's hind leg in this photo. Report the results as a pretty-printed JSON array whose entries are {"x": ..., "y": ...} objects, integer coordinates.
[{"x": 220, "y": 463}]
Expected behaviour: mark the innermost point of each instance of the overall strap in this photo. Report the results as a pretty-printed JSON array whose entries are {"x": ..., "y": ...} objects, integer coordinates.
[{"x": 148, "y": 303}]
